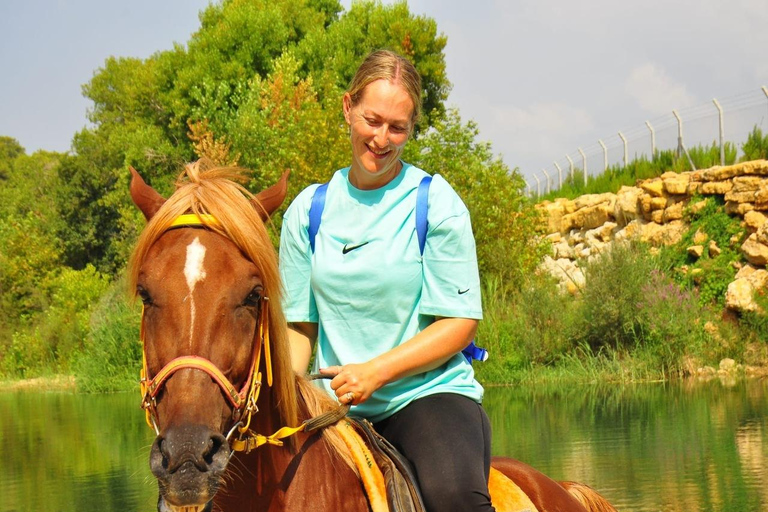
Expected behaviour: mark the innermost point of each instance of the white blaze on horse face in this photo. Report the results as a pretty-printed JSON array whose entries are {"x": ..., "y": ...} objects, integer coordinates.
[{"x": 194, "y": 273}]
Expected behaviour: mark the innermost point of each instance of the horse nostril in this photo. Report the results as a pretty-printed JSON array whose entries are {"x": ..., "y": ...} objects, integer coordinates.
[{"x": 158, "y": 458}]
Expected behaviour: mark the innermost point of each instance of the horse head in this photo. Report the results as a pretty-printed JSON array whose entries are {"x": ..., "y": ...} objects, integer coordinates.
[{"x": 206, "y": 273}]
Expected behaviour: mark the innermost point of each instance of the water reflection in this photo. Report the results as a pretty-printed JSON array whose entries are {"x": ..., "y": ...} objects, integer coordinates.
[
  {"x": 660, "y": 447},
  {"x": 664, "y": 447},
  {"x": 65, "y": 452}
]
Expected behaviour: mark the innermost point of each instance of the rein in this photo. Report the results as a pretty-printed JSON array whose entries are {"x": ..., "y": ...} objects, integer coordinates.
[{"x": 243, "y": 401}]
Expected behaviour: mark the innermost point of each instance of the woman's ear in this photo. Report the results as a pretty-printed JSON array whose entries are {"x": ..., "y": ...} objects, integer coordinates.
[{"x": 347, "y": 106}]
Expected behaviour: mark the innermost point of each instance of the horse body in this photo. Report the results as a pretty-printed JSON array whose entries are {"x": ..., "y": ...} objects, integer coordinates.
[{"x": 211, "y": 299}]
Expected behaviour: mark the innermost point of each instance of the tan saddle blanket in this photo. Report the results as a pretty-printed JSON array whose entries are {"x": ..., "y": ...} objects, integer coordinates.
[{"x": 390, "y": 484}]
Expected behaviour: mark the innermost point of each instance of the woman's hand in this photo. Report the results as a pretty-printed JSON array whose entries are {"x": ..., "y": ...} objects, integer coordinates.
[{"x": 354, "y": 383}]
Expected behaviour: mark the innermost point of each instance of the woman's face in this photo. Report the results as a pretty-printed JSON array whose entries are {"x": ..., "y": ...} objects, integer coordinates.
[{"x": 379, "y": 127}]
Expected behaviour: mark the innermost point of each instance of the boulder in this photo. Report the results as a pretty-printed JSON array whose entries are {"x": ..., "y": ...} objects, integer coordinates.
[
  {"x": 653, "y": 187},
  {"x": 754, "y": 251},
  {"x": 716, "y": 187},
  {"x": 674, "y": 212},
  {"x": 754, "y": 220},
  {"x": 675, "y": 183},
  {"x": 626, "y": 207}
]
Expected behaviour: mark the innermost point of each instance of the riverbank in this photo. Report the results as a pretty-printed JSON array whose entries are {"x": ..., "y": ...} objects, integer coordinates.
[{"x": 52, "y": 383}]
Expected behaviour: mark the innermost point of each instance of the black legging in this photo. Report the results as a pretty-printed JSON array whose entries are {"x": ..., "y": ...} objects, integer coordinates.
[{"x": 447, "y": 439}]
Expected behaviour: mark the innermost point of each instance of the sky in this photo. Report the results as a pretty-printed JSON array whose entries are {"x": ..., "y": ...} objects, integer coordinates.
[{"x": 540, "y": 78}]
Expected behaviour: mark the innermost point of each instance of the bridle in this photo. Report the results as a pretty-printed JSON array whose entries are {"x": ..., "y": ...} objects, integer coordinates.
[{"x": 243, "y": 401}]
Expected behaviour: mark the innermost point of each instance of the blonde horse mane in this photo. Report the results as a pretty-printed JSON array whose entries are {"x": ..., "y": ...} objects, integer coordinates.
[{"x": 203, "y": 188}]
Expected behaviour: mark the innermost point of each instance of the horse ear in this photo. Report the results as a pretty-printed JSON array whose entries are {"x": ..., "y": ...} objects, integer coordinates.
[
  {"x": 270, "y": 199},
  {"x": 144, "y": 196}
]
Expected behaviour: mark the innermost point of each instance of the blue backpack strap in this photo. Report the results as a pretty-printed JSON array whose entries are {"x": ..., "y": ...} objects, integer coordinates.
[
  {"x": 316, "y": 213},
  {"x": 472, "y": 352},
  {"x": 422, "y": 206}
]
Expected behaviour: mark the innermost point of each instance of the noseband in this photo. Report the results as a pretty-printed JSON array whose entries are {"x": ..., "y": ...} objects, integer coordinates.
[{"x": 243, "y": 401}]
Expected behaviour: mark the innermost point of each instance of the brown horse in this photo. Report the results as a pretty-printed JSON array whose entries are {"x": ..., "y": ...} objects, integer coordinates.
[{"x": 212, "y": 328}]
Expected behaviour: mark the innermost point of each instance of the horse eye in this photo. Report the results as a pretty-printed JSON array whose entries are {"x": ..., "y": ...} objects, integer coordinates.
[
  {"x": 143, "y": 295},
  {"x": 254, "y": 297}
]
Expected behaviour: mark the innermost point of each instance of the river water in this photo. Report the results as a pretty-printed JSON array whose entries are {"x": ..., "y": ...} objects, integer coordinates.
[{"x": 650, "y": 447}]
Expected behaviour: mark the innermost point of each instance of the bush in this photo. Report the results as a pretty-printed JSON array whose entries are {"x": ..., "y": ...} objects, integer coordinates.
[
  {"x": 756, "y": 146},
  {"x": 111, "y": 357}
]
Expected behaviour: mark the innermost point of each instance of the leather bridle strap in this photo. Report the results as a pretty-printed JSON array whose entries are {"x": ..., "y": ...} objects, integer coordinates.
[{"x": 237, "y": 399}]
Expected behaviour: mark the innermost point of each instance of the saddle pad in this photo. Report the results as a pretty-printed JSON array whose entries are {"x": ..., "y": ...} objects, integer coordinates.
[
  {"x": 506, "y": 496},
  {"x": 370, "y": 474}
]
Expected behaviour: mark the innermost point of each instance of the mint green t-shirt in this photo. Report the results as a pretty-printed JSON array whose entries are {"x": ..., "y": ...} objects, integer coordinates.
[{"x": 369, "y": 289}]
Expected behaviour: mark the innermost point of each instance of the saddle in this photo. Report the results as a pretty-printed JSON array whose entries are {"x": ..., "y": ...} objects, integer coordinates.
[
  {"x": 387, "y": 476},
  {"x": 390, "y": 482}
]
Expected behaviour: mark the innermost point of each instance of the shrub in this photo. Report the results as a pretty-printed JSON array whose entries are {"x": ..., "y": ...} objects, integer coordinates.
[
  {"x": 111, "y": 357},
  {"x": 756, "y": 146}
]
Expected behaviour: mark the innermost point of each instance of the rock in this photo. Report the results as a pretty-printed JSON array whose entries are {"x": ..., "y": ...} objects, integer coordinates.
[
  {"x": 754, "y": 220},
  {"x": 626, "y": 207},
  {"x": 654, "y": 187},
  {"x": 667, "y": 234},
  {"x": 762, "y": 234},
  {"x": 589, "y": 217},
  {"x": 736, "y": 208},
  {"x": 674, "y": 212},
  {"x": 602, "y": 233},
  {"x": 741, "y": 292},
  {"x": 699, "y": 237},
  {"x": 588, "y": 200},
  {"x": 696, "y": 251},
  {"x": 713, "y": 250},
  {"x": 657, "y": 216},
  {"x": 676, "y": 183},
  {"x": 727, "y": 365},
  {"x": 716, "y": 187},
  {"x": 698, "y": 206},
  {"x": 754, "y": 251}
]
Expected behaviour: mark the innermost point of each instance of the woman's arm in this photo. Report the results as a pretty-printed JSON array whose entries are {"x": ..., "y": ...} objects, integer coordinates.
[
  {"x": 426, "y": 351},
  {"x": 301, "y": 337}
]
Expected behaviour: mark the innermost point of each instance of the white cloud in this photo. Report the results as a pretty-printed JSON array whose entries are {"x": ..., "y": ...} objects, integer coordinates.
[{"x": 655, "y": 91}]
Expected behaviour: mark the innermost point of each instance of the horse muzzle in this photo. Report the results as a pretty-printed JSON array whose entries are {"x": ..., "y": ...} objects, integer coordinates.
[{"x": 188, "y": 462}]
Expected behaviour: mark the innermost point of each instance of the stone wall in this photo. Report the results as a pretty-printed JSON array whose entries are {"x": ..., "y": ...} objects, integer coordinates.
[{"x": 652, "y": 212}]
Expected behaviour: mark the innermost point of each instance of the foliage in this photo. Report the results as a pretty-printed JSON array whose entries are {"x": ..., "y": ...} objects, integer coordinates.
[
  {"x": 503, "y": 221},
  {"x": 618, "y": 175},
  {"x": 712, "y": 272},
  {"x": 111, "y": 357},
  {"x": 50, "y": 340},
  {"x": 756, "y": 146},
  {"x": 705, "y": 157}
]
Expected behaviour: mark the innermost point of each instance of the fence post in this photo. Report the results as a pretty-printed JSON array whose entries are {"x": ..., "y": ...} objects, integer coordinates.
[
  {"x": 527, "y": 188},
  {"x": 570, "y": 162},
  {"x": 584, "y": 161},
  {"x": 605, "y": 155},
  {"x": 626, "y": 150},
  {"x": 680, "y": 145},
  {"x": 720, "y": 116},
  {"x": 653, "y": 140},
  {"x": 538, "y": 186},
  {"x": 560, "y": 176},
  {"x": 549, "y": 189}
]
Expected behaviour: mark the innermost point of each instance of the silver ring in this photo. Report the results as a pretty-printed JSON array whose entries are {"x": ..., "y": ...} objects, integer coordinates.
[{"x": 350, "y": 396}]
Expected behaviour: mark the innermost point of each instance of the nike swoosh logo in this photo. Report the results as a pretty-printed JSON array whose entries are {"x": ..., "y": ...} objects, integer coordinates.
[
  {"x": 348, "y": 248},
  {"x": 462, "y": 292}
]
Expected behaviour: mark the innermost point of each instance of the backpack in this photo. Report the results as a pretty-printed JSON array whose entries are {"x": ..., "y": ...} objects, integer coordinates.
[{"x": 472, "y": 351}]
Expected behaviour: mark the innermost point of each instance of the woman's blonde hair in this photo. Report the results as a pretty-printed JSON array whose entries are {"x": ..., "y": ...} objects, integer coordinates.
[{"x": 387, "y": 65}]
